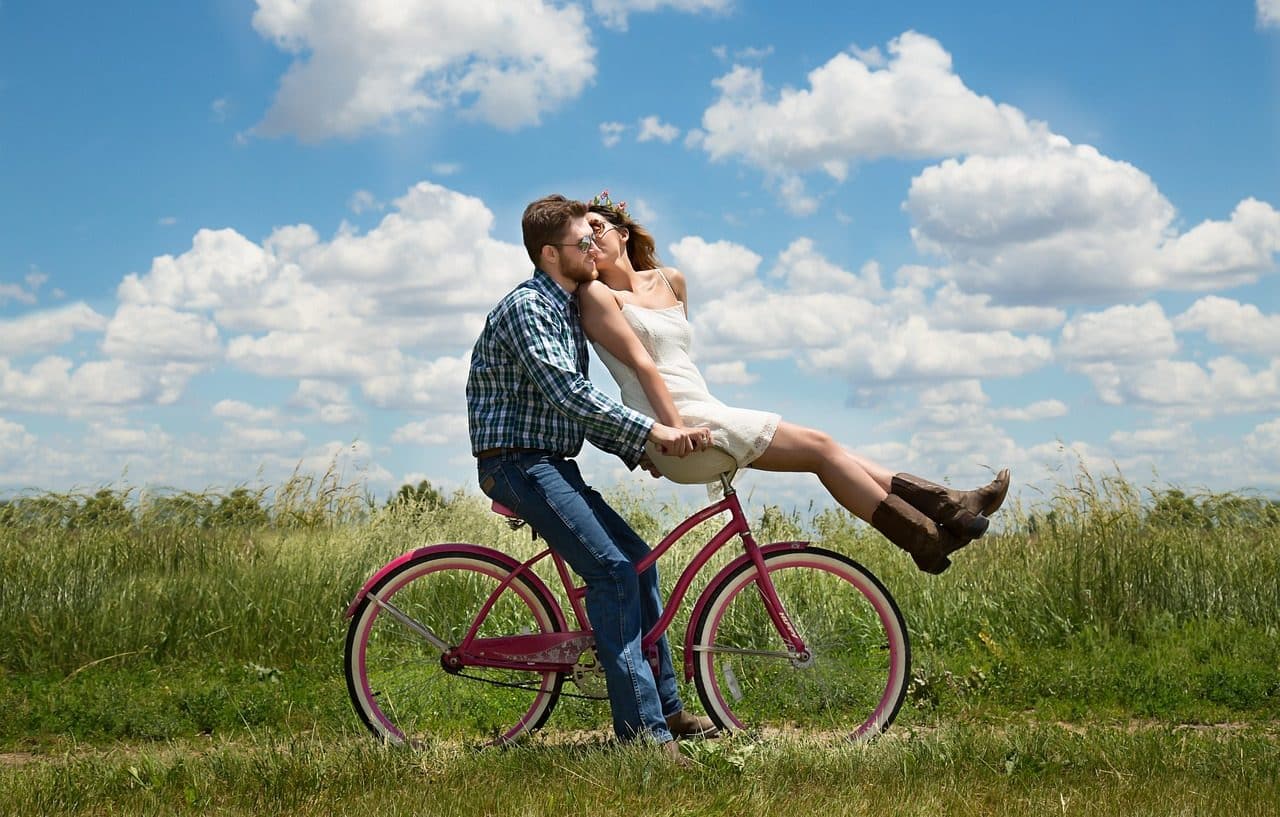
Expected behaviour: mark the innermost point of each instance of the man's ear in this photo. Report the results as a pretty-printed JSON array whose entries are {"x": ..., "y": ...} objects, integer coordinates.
[{"x": 547, "y": 254}]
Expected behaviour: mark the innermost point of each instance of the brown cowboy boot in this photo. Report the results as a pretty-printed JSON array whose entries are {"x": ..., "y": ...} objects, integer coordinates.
[
  {"x": 939, "y": 504},
  {"x": 915, "y": 533},
  {"x": 960, "y": 512},
  {"x": 685, "y": 724}
]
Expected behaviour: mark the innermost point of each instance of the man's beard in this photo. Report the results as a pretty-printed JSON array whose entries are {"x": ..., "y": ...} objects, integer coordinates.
[{"x": 582, "y": 272}]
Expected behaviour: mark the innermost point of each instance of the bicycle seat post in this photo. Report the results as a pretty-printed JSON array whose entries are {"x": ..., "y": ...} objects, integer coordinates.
[{"x": 727, "y": 484}]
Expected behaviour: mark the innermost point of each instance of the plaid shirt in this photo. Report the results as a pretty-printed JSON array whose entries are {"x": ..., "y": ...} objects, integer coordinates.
[{"x": 528, "y": 385}]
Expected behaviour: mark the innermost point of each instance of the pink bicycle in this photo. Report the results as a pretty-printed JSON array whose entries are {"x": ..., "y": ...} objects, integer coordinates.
[{"x": 462, "y": 641}]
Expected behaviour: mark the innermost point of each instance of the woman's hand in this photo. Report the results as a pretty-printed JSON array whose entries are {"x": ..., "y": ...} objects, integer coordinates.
[{"x": 679, "y": 441}]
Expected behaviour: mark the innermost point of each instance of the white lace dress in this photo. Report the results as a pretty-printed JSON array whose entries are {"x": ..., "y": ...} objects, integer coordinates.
[{"x": 666, "y": 336}]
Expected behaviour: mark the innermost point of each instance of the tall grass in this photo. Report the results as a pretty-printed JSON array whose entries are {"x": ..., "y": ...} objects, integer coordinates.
[{"x": 130, "y": 584}]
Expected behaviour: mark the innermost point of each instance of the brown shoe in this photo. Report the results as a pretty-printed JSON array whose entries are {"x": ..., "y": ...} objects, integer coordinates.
[
  {"x": 915, "y": 533},
  {"x": 684, "y": 724},
  {"x": 988, "y": 499},
  {"x": 940, "y": 504}
]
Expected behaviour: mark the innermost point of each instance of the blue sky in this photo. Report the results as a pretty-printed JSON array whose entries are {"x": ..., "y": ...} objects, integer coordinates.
[{"x": 239, "y": 238}]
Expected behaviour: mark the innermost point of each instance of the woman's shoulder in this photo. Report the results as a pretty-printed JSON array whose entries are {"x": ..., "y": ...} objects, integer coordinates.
[
  {"x": 598, "y": 294},
  {"x": 676, "y": 278}
]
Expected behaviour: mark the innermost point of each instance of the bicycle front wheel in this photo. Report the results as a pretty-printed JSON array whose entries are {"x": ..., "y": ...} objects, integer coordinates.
[
  {"x": 395, "y": 677},
  {"x": 854, "y": 677}
]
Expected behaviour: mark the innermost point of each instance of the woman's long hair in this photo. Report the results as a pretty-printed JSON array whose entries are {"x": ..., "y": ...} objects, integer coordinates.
[{"x": 641, "y": 248}]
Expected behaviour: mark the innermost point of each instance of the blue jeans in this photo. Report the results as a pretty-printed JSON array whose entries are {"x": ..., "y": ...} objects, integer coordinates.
[{"x": 549, "y": 493}]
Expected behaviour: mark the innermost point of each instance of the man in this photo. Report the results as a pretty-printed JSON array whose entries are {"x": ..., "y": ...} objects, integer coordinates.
[{"x": 529, "y": 407}]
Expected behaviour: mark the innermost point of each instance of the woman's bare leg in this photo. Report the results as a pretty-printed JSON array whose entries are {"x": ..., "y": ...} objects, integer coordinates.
[{"x": 857, "y": 484}]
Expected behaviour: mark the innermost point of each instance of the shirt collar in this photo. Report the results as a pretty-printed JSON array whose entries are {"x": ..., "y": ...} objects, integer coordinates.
[{"x": 543, "y": 282}]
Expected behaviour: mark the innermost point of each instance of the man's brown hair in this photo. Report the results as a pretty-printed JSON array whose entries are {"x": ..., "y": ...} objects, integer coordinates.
[{"x": 544, "y": 222}]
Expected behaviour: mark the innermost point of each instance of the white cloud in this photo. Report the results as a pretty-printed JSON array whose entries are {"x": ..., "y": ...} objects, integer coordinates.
[
  {"x": 327, "y": 402},
  {"x": 804, "y": 270},
  {"x": 953, "y": 309},
  {"x": 1265, "y": 438},
  {"x": 1225, "y": 386},
  {"x": 362, "y": 201},
  {"x": 1161, "y": 439},
  {"x": 442, "y": 429},
  {"x": 238, "y": 410},
  {"x": 16, "y": 444},
  {"x": 611, "y": 133},
  {"x": 1039, "y": 410},
  {"x": 732, "y": 373},
  {"x": 304, "y": 307},
  {"x": 853, "y": 108},
  {"x": 48, "y": 329},
  {"x": 1269, "y": 13},
  {"x": 53, "y": 386},
  {"x": 418, "y": 384},
  {"x": 713, "y": 268},
  {"x": 15, "y": 292},
  {"x": 832, "y": 320},
  {"x": 156, "y": 333},
  {"x": 614, "y": 13},
  {"x": 248, "y": 438},
  {"x": 120, "y": 439},
  {"x": 1121, "y": 334},
  {"x": 361, "y": 65},
  {"x": 1067, "y": 223},
  {"x": 651, "y": 128},
  {"x": 1239, "y": 327}
]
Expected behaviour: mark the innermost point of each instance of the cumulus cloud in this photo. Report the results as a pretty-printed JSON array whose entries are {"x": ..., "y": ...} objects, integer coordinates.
[
  {"x": 53, "y": 385},
  {"x": 442, "y": 429},
  {"x": 1269, "y": 13},
  {"x": 915, "y": 106},
  {"x": 611, "y": 133},
  {"x": 1242, "y": 328},
  {"x": 731, "y": 373},
  {"x": 42, "y": 331},
  {"x": 296, "y": 305},
  {"x": 615, "y": 13},
  {"x": 1226, "y": 385},
  {"x": 1121, "y": 334},
  {"x": 325, "y": 401},
  {"x": 361, "y": 65},
  {"x": 836, "y": 321},
  {"x": 159, "y": 334},
  {"x": 717, "y": 267},
  {"x": 1067, "y": 223},
  {"x": 651, "y": 128},
  {"x": 238, "y": 410}
]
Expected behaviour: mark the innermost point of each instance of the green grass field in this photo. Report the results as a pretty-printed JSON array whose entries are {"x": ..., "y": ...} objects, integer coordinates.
[{"x": 1114, "y": 652}]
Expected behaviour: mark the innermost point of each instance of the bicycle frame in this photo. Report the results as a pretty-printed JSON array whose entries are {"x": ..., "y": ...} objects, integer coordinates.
[{"x": 558, "y": 651}]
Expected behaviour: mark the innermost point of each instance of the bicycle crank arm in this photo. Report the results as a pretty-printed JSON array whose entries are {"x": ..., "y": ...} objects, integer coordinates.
[{"x": 400, "y": 616}]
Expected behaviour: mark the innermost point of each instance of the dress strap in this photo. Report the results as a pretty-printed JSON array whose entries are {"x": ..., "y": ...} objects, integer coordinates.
[{"x": 668, "y": 283}]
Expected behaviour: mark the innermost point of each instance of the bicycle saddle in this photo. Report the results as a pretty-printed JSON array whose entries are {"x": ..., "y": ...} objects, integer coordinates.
[{"x": 698, "y": 468}]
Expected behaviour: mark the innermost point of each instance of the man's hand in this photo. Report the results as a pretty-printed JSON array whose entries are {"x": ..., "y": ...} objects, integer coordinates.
[
  {"x": 647, "y": 464},
  {"x": 679, "y": 442}
]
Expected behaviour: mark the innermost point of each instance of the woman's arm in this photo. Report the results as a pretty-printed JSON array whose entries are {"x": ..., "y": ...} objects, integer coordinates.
[{"x": 603, "y": 322}]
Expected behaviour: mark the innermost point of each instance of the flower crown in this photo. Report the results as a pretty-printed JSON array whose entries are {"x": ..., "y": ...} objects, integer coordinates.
[{"x": 603, "y": 200}]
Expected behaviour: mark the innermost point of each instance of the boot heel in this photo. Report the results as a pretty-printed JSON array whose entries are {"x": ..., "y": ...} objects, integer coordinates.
[{"x": 976, "y": 527}]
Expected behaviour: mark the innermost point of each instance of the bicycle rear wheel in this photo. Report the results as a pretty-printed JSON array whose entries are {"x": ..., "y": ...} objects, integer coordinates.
[
  {"x": 855, "y": 677},
  {"x": 395, "y": 677}
]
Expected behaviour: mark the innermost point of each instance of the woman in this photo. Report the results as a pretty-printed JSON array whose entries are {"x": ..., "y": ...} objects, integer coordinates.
[{"x": 636, "y": 316}]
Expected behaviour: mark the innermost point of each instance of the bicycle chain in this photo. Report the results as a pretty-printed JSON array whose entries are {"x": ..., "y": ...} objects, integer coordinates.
[{"x": 524, "y": 686}]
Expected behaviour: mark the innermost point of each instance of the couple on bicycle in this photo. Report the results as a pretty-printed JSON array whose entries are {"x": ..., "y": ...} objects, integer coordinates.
[{"x": 530, "y": 405}]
